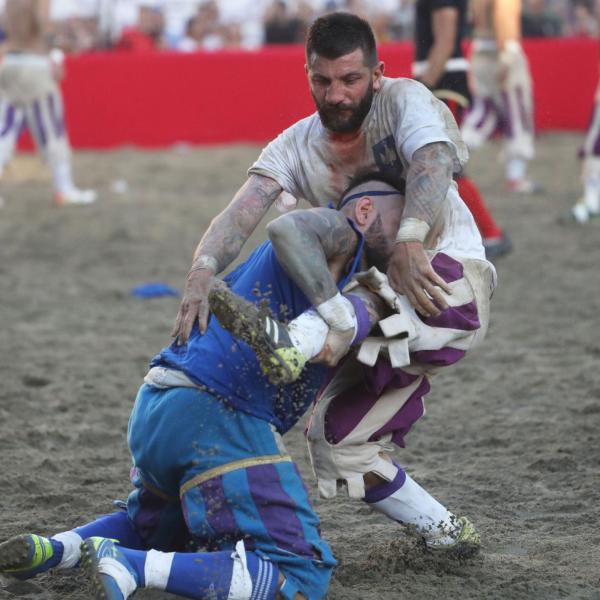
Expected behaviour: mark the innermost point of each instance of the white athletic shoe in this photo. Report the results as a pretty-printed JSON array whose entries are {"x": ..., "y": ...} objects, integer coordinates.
[
  {"x": 75, "y": 196},
  {"x": 579, "y": 213},
  {"x": 524, "y": 186}
]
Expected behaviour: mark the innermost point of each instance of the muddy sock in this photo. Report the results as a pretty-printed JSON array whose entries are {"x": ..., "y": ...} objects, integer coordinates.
[
  {"x": 115, "y": 526},
  {"x": 405, "y": 501}
]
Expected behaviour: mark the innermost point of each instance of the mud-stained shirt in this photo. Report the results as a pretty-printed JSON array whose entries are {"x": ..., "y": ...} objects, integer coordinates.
[{"x": 311, "y": 163}]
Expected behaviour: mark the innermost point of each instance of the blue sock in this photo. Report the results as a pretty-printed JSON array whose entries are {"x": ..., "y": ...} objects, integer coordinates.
[
  {"x": 207, "y": 575},
  {"x": 116, "y": 526}
]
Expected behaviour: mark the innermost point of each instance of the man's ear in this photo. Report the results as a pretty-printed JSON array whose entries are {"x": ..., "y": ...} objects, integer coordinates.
[
  {"x": 363, "y": 211},
  {"x": 377, "y": 75}
]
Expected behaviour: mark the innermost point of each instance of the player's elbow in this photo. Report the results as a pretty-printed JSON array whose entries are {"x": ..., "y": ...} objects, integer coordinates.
[{"x": 281, "y": 228}]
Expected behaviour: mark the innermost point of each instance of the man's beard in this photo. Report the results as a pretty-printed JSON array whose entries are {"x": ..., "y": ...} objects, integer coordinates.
[{"x": 335, "y": 121}]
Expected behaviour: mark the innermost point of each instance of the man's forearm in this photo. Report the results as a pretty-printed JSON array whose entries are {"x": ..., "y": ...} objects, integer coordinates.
[
  {"x": 427, "y": 182},
  {"x": 229, "y": 231},
  {"x": 306, "y": 243}
]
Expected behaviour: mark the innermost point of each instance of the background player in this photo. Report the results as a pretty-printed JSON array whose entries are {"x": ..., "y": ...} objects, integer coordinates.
[
  {"x": 502, "y": 90},
  {"x": 29, "y": 93},
  {"x": 440, "y": 65},
  {"x": 588, "y": 206}
]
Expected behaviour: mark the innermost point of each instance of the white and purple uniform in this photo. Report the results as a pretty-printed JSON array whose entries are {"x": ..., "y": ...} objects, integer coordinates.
[
  {"x": 30, "y": 96},
  {"x": 508, "y": 106},
  {"x": 380, "y": 404}
]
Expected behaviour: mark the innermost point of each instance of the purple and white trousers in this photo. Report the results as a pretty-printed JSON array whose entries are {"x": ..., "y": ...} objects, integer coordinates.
[{"x": 364, "y": 411}]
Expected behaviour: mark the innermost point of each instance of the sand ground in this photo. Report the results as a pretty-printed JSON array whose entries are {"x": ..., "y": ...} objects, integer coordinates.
[{"x": 511, "y": 434}]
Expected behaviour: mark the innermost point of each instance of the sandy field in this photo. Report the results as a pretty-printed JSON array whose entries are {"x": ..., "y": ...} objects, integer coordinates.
[{"x": 510, "y": 437}]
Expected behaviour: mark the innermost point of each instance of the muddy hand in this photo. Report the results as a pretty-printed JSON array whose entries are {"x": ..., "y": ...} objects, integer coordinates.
[
  {"x": 194, "y": 305},
  {"x": 410, "y": 273}
]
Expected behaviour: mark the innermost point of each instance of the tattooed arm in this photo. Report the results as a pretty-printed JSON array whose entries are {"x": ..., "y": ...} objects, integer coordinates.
[
  {"x": 313, "y": 246},
  {"x": 428, "y": 179},
  {"x": 219, "y": 246}
]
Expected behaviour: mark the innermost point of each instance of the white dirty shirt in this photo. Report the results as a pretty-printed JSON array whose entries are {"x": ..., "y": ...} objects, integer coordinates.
[{"x": 311, "y": 163}]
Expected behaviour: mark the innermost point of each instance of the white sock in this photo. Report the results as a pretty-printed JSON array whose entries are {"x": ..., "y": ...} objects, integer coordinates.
[
  {"x": 63, "y": 179},
  {"x": 157, "y": 569},
  {"x": 308, "y": 332},
  {"x": 413, "y": 505},
  {"x": 591, "y": 196},
  {"x": 516, "y": 169},
  {"x": 71, "y": 542}
]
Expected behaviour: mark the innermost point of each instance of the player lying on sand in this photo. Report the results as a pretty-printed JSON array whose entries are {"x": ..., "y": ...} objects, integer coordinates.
[{"x": 186, "y": 492}]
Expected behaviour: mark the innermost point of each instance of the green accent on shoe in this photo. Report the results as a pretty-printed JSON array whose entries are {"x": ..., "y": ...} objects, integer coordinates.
[
  {"x": 26, "y": 555},
  {"x": 466, "y": 543},
  {"x": 93, "y": 550},
  {"x": 279, "y": 360}
]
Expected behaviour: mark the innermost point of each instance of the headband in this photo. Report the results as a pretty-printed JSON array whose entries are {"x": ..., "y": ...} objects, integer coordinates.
[{"x": 367, "y": 193}]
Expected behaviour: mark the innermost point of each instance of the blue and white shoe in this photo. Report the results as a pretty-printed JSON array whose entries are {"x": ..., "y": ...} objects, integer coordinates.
[
  {"x": 107, "y": 569},
  {"x": 24, "y": 556}
]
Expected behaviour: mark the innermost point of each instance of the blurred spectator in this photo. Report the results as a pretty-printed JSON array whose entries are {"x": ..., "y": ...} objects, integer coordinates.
[
  {"x": 148, "y": 34},
  {"x": 538, "y": 21},
  {"x": 204, "y": 30},
  {"x": 583, "y": 21},
  {"x": 282, "y": 26}
]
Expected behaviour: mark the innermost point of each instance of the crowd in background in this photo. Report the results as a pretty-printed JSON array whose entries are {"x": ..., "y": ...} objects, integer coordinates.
[{"x": 190, "y": 25}]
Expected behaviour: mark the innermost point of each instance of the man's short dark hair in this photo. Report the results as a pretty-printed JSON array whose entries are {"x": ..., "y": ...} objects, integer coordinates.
[
  {"x": 338, "y": 34},
  {"x": 394, "y": 180}
]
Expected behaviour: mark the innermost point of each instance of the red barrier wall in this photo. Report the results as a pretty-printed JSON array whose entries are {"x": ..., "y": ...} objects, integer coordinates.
[{"x": 155, "y": 100}]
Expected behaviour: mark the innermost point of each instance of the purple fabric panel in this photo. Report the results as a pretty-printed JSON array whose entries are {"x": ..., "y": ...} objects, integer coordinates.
[
  {"x": 219, "y": 515},
  {"x": 384, "y": 490},
  {"x": 348, "y": 409},
  {"x": 507, "y": 117},
  {"x": 9, "y": 120},
  {"x": 362, "y": 318},
  {"x": 449, "y": 269},
  {"x": 439, "y": 358},
  {"x": 277, "y": 510},
  {"x": 595, "y": 117},
  {"x": 488, "y": 107},
  {"x": 401, "y": 423},
  {"x": 382, "y": 376},
  {"x": 56, "y": 117},
  {"x": 147, "y": 518},
  {"x": 39, "y": 124},
  {"x": 463, "y": 317}
]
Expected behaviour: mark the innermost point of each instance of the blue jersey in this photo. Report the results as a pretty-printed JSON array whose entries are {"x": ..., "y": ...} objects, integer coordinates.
[{"x": 229, "y": 369}]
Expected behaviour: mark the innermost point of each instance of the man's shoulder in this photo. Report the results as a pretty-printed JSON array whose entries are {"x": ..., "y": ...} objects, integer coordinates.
[
  {"x": 399, "y": 88},
  {"x": 303, "y": 127}
]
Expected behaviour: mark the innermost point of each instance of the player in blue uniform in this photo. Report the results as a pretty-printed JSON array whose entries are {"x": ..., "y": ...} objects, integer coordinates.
[{"x": 210, "y": 467}]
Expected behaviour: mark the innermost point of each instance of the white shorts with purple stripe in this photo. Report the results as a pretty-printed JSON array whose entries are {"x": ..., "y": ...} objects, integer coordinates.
[
  {"x": 508, "y": 107},
  {"x": 29, "y": 97},
  {"x": 364, "y": 411}
]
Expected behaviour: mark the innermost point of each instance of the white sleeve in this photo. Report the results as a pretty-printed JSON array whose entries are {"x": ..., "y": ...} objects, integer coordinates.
[
  {"x": 279, "y": 161},
  {"x": 421, "y": 119}
]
